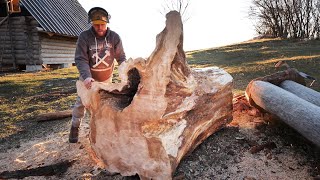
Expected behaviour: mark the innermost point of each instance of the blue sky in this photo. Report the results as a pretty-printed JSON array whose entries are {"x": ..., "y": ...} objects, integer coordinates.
[{"x": 211, "y": 23}]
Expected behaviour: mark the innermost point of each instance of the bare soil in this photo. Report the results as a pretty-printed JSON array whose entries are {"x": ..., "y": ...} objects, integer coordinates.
[{"x": 254, "y": 145}]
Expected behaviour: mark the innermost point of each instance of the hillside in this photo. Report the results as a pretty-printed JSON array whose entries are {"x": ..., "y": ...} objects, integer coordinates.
[{"x": 251, "y": 59}]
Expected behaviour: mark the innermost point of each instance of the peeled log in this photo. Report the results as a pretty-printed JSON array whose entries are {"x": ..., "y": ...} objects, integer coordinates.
[
  {"x": 276, "y": 79},
  {"x": 298, "y": 113},
  {"x": 160, "y": 111},
  {"x": 302, "y": 91}
]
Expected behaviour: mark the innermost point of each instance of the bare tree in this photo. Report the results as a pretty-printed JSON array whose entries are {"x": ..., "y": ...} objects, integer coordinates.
[
  {"x": 179, "y": 5},
  {"x": 315, "y": 29},
  {"x": 286, "y": 18}
]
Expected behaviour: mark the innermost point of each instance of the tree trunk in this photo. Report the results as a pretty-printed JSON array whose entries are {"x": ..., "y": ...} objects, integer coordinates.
[
  {"x": 298, "y": 113},
  {"x": 301, "y": 91},
  {"x": 276, "y": 79},
  {"x": 160, "y": 111}
]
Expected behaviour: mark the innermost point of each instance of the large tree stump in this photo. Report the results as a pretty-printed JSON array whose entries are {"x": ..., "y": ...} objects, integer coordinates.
[{"x": 160, "y": 111}]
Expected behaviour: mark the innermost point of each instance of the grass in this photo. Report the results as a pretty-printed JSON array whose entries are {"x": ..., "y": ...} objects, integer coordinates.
[
  {"x": 252, "y": 59},
  {"x": 25, "y": 95}
]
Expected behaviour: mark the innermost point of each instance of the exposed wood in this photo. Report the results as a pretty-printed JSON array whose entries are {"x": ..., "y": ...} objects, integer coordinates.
[
  {"x": 50, "y": 170},
  {"x": 53, "y": 116},
  {"x": 159, "y": 112},
  {"x": 302, "y": 91},
  {"x": 298, "y": 113}
]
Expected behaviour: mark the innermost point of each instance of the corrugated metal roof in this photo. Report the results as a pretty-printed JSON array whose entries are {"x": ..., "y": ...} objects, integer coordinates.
[{"x": 65, "y": 17}]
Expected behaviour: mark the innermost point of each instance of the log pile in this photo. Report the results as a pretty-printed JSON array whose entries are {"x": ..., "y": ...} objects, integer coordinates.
[
  {"x": 159, "y": 112},
  {"x": 284, "y": 95}
]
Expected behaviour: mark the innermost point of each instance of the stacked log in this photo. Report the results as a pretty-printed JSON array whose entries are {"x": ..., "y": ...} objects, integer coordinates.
[
  {"x": 301, "y": 91},
  {"x": 23, "y": 43},
  {"x": 20, "y": 42},
  {"x": 283, "y": 95},
  {"x": 57, "y": 50}
]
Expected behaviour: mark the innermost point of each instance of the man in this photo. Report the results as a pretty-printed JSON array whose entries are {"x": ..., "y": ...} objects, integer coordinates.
[{"x": 96, "y": 50}]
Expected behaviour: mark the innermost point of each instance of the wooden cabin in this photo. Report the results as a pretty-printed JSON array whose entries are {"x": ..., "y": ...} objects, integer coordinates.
[{"x": 39, "y": 33}]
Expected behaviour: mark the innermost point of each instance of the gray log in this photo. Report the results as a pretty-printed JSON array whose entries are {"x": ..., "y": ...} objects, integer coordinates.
[
  {"x": 302, "y": 91},
  {"x": 298, "y": 113}
]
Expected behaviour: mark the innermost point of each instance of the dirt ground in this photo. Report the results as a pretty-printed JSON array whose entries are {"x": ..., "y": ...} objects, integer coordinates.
[{"x": 253, "y": 146}]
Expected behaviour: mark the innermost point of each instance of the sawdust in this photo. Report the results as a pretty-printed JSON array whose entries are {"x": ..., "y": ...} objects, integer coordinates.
[{"x": 227, "y": 154}]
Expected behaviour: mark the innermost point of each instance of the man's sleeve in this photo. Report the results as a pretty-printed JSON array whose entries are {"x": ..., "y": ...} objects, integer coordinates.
[
  {"x": 119, "y": 52},
  {"x": 82, "y": 58}
]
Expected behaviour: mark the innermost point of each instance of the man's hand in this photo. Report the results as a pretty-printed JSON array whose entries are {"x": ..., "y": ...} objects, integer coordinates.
[{"x": 88, "y": 82}]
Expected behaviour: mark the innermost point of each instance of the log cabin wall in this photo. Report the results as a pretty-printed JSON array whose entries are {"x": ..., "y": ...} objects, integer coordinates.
[
  {"x": 57, "y": 49},
  {"x": 20, "y": 42},
  {"x": 43, "y": 33}
]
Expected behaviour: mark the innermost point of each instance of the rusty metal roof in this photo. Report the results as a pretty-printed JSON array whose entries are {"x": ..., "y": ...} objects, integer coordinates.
[{"x": 65, "y": 17}]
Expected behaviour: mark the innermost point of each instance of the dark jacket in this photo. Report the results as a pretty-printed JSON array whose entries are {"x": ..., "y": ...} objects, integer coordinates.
[{"x": 89, "y": 45}]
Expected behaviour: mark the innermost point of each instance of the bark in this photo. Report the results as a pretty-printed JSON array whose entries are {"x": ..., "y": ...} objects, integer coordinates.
[
  {"x": 276, "y": 79},
  {"x": 298, "y": 113},
  {"x": 160, "y": 111},
  {"x": 301, "y": 91}
]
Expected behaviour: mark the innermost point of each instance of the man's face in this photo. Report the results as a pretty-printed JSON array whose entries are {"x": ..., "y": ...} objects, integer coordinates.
[{"x": 100, "y": 29}]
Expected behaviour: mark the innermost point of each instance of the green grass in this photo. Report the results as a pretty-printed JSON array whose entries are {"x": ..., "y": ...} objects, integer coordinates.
[
  {"x": 252, "y": 59},
  {"x": 25, "y": 95}
]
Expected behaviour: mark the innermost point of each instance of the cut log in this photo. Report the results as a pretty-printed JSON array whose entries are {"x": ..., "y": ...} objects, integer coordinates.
[
  {"x": 160, "y": 111},
  {"x": 276, "y": 79},
  {"x": 298, "y": 113},
  {"x": 302, "y": 91},
  {"x": 53, "y": 116}
]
